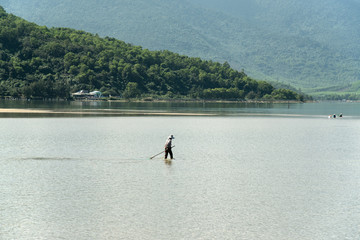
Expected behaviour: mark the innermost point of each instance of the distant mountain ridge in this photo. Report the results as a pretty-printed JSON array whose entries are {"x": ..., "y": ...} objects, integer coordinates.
[
  {"x": 305, "y": 43},
  {"x": 331, "y": 22}
]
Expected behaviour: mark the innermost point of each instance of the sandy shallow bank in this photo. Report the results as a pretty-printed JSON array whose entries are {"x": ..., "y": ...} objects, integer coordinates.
[
  {"x": 18, "y": 110},
  {"x": 99, "y": 112}
]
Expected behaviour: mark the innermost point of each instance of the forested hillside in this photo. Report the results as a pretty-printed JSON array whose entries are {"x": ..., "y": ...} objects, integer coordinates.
[
  {"x": 308, "y": 44},
  {"x": 46, "y": 62},
  {"x": 332, "y": 23}
]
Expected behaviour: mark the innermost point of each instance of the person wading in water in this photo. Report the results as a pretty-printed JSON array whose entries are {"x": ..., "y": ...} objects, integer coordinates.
[{"x": 168, "y": 147}]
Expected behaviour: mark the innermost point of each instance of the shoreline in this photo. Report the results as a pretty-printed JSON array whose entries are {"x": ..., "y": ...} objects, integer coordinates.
[
  {"x": 202, "y": 101},
  {"x": 149, "y": 100}
]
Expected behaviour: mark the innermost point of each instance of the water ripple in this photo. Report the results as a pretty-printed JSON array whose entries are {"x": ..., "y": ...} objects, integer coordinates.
[{"x": 46, "y": 158}]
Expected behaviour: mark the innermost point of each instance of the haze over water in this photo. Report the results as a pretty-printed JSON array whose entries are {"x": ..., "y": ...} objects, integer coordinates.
[{"x": 262, "y": 172}]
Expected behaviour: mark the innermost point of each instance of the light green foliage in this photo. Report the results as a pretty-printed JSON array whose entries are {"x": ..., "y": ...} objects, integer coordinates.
[
  {"x": 284, "y": 94},
  {"x": 131, "y": 90}
]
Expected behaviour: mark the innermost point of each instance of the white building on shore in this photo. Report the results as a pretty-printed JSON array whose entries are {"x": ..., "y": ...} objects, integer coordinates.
[{"x": 84, "y": 94}]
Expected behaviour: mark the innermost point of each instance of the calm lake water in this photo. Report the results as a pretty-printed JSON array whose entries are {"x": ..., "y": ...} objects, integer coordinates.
[{"x": 255, "y": 171}]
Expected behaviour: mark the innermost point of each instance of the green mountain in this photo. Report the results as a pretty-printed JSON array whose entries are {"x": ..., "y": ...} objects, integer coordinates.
[
  {"x": 309, "y": 44},
  {"x": 38, "y": 62},
  {"x": 329, "y": 22}
]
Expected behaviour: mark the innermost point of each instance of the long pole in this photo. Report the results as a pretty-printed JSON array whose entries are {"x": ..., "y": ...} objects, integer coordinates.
[{"x": 159, "y": 153}]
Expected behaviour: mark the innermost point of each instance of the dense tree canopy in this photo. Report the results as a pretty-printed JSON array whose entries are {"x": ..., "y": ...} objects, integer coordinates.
[{"x": 37, "y": 61}]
